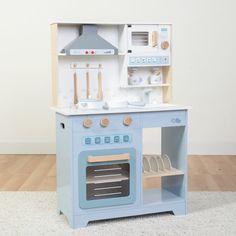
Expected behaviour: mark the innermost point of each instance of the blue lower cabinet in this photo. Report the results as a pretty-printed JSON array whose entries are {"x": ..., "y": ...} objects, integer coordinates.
[{"x": 99, "y": 171}]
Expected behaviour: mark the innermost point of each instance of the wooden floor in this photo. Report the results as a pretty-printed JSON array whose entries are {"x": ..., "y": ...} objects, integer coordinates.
[{"x": 38, "y": 173}]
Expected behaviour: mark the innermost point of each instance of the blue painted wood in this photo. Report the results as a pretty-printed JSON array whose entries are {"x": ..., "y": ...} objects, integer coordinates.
[
  {"x": 116, "y": 123},
  {"x": 64, "y": 166},
  {"x": 70, "y": 145},
  {"x": 163, "y": 119},
  {"x": 82, "y": 220}
]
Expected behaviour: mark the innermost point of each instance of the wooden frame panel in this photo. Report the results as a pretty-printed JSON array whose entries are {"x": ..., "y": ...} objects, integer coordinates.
[{"x": 54, "y": 64}]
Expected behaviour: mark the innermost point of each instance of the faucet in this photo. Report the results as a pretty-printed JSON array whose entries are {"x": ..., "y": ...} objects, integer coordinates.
[
  {"x": 146, "y": 96},
  {"x": 145, "y": 99}
]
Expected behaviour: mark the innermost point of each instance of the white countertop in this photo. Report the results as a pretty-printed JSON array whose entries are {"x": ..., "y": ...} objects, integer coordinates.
[{"x": 160, "y": 107}]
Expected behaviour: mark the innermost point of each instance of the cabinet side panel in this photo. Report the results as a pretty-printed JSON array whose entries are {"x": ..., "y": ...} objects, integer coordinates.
[
  {"x": 64, "y": 168},
  {"x": 54, "y": 64}
]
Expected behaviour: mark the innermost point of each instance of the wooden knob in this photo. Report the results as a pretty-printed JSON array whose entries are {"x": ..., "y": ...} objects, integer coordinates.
[
  {"x": 87, "y": 123},
  {"x": 104, "y": 122},
  {"x": 127, "y": 120},
  {"x": 165, "y": 45}
]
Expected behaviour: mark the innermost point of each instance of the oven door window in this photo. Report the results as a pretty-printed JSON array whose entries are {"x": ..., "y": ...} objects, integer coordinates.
[{"x": 107, "y": 181}]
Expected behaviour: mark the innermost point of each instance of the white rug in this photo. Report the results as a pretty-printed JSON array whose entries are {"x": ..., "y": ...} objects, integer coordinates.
[{"x": 34, "y": 213}]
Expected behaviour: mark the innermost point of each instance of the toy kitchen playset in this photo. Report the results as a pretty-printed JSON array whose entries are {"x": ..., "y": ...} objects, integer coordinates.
[{"x": 109, "y": 82}]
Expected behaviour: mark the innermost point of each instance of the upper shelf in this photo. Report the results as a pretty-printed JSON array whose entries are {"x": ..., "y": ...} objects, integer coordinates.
[
  {"x": 92, "y": 55},
  {"x": 147, "y": 86}
]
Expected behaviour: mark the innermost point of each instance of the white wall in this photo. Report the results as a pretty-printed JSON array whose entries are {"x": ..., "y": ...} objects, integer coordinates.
[{"x": 204, "y": 67}]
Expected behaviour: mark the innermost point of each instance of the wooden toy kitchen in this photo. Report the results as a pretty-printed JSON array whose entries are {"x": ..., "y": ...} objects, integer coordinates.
[{"x": 109, "y": 82}]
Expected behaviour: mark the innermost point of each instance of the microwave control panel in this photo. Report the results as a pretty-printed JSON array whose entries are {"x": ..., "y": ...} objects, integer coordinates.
[{"x": 149, "y": 60}]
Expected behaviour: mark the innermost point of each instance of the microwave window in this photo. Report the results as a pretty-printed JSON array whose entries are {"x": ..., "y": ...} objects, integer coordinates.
[{"x": 140, "y": 38}]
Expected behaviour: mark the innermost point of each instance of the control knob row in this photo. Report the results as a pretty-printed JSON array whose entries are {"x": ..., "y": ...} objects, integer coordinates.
[{"x": 104, "y": 122}]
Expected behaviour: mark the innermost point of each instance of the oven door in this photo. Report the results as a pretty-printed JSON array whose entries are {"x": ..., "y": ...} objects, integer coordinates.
[{"x": 106, "y": 177}]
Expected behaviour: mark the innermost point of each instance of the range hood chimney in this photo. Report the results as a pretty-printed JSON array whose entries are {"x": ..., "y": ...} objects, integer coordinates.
[{"x": 89, "y": 43}]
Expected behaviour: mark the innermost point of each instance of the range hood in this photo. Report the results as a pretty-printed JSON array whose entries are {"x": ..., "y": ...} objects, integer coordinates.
[{"x": 89, "y": 43}]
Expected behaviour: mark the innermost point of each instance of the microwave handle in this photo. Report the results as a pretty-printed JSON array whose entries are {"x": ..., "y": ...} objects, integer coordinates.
[
  {"x": 154, "y": 39},
  {"x": 118, "y": 157}
]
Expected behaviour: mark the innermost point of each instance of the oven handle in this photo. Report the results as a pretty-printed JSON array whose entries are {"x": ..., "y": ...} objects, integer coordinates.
[{"x": 119, "y": 157}]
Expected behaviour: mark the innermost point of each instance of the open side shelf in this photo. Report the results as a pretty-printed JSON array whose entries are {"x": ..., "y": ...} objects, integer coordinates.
[
  {"x": 159, "y": 196},
  {"x": 148, "y": 86}
]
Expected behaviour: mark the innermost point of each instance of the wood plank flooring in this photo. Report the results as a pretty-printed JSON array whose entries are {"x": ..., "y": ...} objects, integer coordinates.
[{"x": 38, "y": 173}]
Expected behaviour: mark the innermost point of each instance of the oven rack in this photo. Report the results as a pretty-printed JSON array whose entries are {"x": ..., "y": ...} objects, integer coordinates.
[
  {"x": 107, "y": 179},
  {"x": 158, "y": 165}
]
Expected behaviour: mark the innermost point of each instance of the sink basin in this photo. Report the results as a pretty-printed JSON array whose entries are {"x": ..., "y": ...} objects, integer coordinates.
[
  {"x": 116, "y": 104},
  {"x": 90, "y": 104}
]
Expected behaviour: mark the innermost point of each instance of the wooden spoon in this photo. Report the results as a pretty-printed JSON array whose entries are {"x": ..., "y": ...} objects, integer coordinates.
[
  {"x": 76, "y": 100},
  {"x": 100, "y": 93},
  {"x": 87, "y": 83}
]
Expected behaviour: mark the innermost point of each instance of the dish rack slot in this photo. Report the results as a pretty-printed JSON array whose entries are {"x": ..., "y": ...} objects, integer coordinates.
[{"x": 158, "y": 165}]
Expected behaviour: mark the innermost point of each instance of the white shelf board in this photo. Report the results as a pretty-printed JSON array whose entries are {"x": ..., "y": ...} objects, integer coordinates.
[
  {"x": 61, "y": 54},
  {"x": 121, "y": 53},
  {"x": 64, "y": 55},
  {"x": 147, "y": 86},
  {"x": 151, "y": 65},
  {"x": 159, "y": 196}
]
